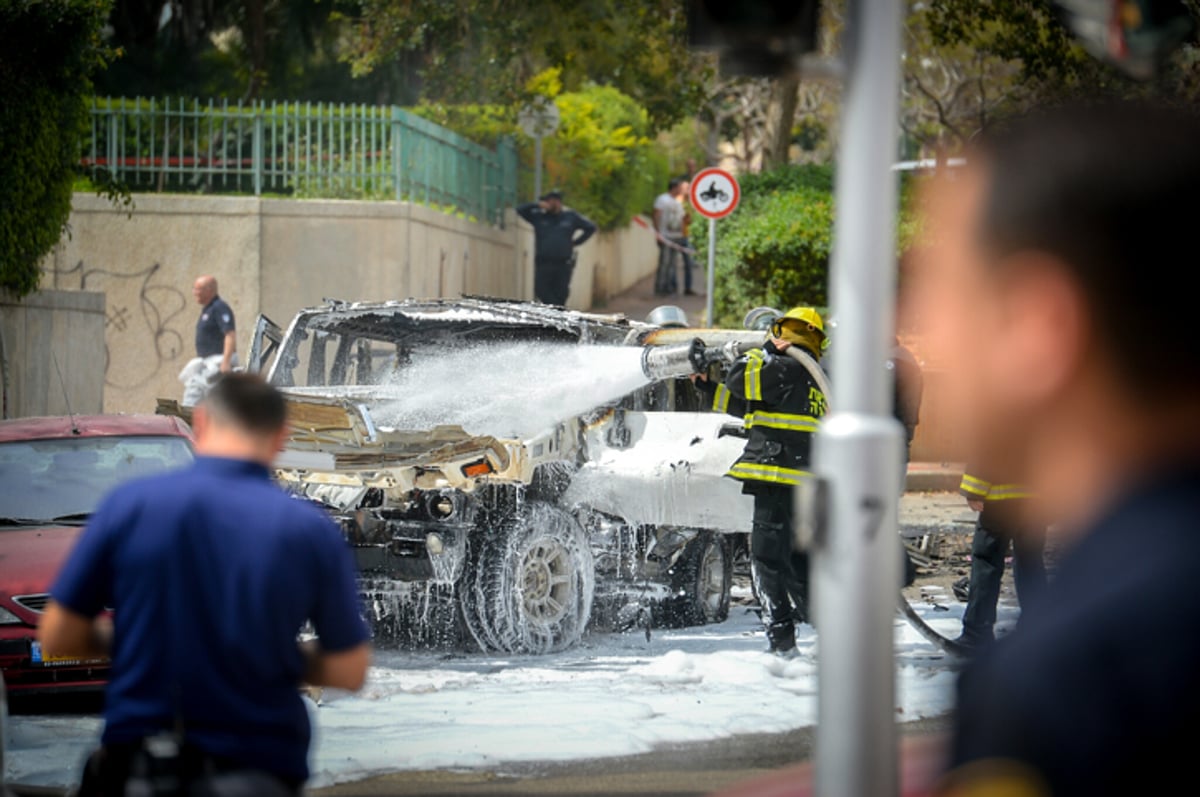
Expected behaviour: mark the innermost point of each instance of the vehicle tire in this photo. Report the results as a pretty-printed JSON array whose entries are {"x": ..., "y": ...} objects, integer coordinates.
[
  {"x": 530, "y": 584},
  {"x": 701, "y": 580}
]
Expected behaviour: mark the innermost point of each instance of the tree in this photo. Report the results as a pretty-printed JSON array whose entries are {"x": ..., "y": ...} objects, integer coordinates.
[
  {"x": 950, "y": 90},
  {"x": 1049, "y": 63},
  {"x": 601, "y": 156},
  {"x": 486, "y": 51},
  {"x": 48, "y": 51},
  {"x": 241, "y": 49}
]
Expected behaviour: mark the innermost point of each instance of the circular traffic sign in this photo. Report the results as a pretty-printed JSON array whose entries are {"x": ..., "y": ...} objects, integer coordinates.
[
  {"x": 539, "y": 118},
  {"x": 715, "y": 193}
]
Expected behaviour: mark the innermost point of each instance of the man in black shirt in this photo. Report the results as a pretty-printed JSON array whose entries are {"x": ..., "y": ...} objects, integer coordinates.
[
  {"x": 555, "y": 235},
  {"x": 216, "y": 332},
  {"x": 1073, "y": 367}
]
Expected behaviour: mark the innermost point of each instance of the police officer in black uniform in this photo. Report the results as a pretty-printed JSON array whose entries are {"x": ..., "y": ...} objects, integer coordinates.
[
  {"x": 781, "y": 403},
  {"x": 216, "y": 330},
  {"x": 557, "y": 230}
]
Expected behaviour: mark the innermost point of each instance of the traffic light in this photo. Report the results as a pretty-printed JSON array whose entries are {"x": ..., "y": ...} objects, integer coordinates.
[{"x": 754, "y": 37}]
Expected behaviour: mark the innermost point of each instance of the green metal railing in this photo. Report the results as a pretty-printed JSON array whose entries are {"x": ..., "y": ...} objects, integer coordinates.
[{"x": 316, "y": 150}]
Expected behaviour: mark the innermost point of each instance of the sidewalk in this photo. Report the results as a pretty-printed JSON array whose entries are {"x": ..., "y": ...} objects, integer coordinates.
[{"x": 637, "y": 302}]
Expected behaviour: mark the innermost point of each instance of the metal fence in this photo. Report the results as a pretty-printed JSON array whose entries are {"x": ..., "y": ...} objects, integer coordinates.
[{"x": 314, "y": 150}]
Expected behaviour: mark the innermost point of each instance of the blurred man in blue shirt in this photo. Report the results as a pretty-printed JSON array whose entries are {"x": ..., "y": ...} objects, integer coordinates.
[
  {"x": 1073, "y": 367},
  {"x": 211, "y": 572}
]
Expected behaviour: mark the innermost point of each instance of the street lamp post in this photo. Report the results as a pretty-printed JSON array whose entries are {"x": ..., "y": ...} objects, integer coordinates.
[{"x": 859, "y": 448}]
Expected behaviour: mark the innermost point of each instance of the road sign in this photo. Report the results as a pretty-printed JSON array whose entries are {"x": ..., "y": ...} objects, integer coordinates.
[
  {"x": 538, "y": 119},
  {"x": 715, "y": 193}
]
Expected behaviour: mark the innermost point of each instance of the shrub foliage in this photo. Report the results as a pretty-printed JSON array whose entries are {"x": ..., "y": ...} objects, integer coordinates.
[
  {"x": 48, "y": 48},
  {"x": 601, "y": 157}
]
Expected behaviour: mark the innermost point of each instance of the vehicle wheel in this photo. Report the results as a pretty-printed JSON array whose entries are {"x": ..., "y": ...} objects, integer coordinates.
[
  {"x": 701, "y": 580},
  {"x": 531, "y": 584}
]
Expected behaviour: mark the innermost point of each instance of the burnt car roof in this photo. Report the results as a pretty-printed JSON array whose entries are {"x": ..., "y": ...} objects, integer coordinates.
[
  {"x": 467, "y": 317},
  {"x": 62, "y": 426}
]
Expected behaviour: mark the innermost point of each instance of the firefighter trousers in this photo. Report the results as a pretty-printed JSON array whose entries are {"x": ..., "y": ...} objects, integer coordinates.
[
  {"x": 988, "y": 551},
  {"x": 780, "y": 573}
]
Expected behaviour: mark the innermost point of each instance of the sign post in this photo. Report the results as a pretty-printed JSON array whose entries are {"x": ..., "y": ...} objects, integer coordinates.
[
  {"x": 538, "y": 119},
  {"x": 715, "y": 194}
]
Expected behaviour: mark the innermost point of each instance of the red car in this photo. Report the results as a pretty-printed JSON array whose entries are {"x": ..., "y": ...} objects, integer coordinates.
[{"x": 53, "y": 474}]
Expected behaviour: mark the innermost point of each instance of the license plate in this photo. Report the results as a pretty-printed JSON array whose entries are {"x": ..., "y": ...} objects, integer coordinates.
[{"x": 35, "y": 654}]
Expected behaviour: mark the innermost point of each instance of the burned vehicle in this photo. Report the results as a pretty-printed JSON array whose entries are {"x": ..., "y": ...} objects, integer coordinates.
[{"x": 507, "y": 473}]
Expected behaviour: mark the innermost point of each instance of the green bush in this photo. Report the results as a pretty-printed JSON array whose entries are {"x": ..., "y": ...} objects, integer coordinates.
[
  {"x": 817, "y": 176},
  {"x": 601, "y": 156},
  {"x": 775, "y": 248},
  {"x": 47, "y": 51}
]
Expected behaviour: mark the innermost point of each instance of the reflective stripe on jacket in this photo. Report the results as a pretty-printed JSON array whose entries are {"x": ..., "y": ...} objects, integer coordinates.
[
  {"x": 977, "y": 489},
  {"x": 782, "y": 406}
]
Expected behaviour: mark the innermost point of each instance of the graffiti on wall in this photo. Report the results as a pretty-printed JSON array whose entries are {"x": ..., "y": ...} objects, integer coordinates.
[{"x": 143, "y": 327}]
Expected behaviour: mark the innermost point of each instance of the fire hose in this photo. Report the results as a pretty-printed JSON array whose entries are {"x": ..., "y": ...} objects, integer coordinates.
[{"x": 672, "y": 362}]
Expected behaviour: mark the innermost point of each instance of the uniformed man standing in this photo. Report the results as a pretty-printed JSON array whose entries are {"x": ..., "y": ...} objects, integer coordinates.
[
  {"x": 210, "y": 573},
  {"x": 216, "y": 332},
  {"x": 781, "y": 402},
  {"x": 557, "y": 230},
  {"x": 1001, "y": 524}
]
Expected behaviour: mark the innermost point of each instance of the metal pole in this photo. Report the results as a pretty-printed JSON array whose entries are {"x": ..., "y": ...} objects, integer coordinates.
[
  {"x": 712, "y": 259},
  {"x": 537, "y": 167},
  {"x": 256, "y": 152},
  {"x": 858, "y": 454}
]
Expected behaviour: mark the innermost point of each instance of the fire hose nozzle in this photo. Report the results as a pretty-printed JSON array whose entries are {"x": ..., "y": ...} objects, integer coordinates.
[{"x": 671, "y": 362}]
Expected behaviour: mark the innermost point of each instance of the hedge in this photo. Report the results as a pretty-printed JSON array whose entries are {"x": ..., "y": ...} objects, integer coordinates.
[
  {"x": 47, "y": 50},
  {"x": 775, "y": 248}
]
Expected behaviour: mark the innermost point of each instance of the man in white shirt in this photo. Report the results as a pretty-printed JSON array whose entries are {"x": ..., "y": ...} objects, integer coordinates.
[{"x": 668, "y": 223}]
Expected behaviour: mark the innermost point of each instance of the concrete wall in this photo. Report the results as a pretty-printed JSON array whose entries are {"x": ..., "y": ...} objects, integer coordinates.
[
  {"x": 613, "y": 262},
  {"x": 275, "y": 256},
  {"x": 67, "y": 326},
  {"x": 146, "y": 264},
  {"x": 313, "y": 250}
]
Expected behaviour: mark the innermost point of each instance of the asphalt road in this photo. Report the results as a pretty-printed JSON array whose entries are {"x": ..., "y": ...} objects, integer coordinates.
[
  {"x": 675, "y": 771},
  {"x": 421, "y": 689}
]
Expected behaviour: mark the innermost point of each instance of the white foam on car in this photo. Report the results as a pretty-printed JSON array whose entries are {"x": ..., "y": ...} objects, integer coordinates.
[
  {"x": 671, "y": 473},
  {"x": 512, "y": 390}
]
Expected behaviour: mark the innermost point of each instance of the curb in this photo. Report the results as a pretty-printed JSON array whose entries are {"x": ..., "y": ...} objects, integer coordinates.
[{"x": 931, "y": 478}]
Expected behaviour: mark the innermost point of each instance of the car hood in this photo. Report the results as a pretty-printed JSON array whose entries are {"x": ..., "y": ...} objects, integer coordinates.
[{"x": 30, "y": 558}]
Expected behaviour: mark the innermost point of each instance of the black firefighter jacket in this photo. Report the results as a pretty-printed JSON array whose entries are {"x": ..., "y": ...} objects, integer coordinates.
[{"x": 781, "y": 405}]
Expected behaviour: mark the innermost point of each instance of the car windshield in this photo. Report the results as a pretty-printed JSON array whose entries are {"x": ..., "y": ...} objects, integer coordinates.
[
  {"x": 67, "y": 478},
  {"x": 368, "y": 348}
]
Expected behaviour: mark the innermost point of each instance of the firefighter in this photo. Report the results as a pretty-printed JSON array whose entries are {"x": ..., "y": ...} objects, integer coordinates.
[
  {"x": 781, "y": 403},
  {"x": 1001, "y": 508}
]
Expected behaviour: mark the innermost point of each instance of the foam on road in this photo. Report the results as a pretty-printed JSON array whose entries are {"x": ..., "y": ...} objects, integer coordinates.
[{"x": 616, "y": 694}]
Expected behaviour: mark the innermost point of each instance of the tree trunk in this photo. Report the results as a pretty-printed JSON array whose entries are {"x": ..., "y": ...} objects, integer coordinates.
[
  {"x": 781, "y": 115},
  {"x": 256, "y": 22}
]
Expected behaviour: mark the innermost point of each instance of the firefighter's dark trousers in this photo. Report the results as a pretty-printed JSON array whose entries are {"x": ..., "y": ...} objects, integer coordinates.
[
  {"x": 988, "y": 551},
  {"x": 780, "y": 574}
]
